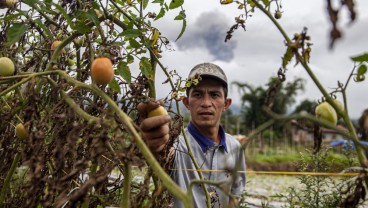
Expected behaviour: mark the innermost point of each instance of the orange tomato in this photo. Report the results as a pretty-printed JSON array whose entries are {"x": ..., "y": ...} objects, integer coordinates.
[{"x": 102, "y": 71}]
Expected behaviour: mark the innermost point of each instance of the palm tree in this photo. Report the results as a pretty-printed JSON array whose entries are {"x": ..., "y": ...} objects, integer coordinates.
[{"x": 253, "y": 99}]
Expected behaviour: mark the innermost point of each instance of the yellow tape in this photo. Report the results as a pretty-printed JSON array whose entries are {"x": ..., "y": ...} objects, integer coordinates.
[{"x": 276, "y": 172}]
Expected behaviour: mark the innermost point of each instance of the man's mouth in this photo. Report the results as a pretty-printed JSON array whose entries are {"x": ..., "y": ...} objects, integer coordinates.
[{"x": 206, "y": 113}]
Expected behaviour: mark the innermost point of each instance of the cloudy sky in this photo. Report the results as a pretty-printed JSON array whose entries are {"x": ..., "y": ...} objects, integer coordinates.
[{"x": 252, "y": 56}]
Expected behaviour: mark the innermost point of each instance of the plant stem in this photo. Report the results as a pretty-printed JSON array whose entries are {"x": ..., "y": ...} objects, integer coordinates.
[
  {"x": 9, "y": 175},
  {"x": 190, "y": 153},
  {"x": 125, "y": 201},
  {"x": 29, "y": 77},
  {"x": 275, "y": 22},
  {"x": 75, "y": 106}
]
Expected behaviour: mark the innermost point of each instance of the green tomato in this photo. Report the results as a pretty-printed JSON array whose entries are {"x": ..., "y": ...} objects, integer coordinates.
[
  {"x": 340, "y": 106},
  {"x": 326, "y": 112},
  {"x": 7, "y": 67},
  {"x": 278, "y": 15}
]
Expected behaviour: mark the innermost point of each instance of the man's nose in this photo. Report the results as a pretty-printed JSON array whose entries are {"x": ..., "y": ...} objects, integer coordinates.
[{"x": 207, "y": 101}]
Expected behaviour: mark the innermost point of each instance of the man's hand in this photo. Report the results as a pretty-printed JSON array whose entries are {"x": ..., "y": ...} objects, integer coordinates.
[{"x": 155, "y": 130}]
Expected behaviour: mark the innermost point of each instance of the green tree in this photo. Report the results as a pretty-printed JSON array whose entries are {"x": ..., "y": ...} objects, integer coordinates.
[
  {"x": 306, "y": 105},
  {"x": 254, "y": 98}
]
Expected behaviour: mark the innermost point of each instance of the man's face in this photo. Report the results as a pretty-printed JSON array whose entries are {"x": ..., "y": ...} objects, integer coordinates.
[{"x": 206, "y": 102}]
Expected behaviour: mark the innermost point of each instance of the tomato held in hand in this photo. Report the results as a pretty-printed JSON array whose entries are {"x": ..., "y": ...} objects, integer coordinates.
[{"x": 159, "y": 111}]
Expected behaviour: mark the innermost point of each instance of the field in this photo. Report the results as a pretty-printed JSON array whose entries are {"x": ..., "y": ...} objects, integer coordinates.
[{"x": 261, "y": 189}]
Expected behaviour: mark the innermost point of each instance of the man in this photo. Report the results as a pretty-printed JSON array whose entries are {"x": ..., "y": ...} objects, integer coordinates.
[{"x": 212, "y": 148}]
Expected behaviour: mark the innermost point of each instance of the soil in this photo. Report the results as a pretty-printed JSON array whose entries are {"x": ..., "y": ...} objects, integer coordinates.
[{"x": 264, "y": 166}]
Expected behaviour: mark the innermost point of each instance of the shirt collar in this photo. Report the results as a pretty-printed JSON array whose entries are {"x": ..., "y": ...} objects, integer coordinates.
[{"x": 203, "y": 141}]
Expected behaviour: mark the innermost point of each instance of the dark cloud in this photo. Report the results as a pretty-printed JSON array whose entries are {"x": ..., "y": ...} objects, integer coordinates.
[{"x": 209, "y": 32}]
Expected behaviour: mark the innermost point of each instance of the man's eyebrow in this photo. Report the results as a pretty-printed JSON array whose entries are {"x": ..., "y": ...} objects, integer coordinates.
[
  {"x": 197, "y": 90},
  {"x": 209, "y": 90}
]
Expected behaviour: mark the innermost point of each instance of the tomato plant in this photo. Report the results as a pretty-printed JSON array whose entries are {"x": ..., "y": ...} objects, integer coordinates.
[
  {"x": 82, "y": 139},
  {"x": 79, "y": 134}
]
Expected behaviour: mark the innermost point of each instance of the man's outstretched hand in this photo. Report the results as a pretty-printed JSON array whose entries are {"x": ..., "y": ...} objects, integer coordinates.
[{"x": 155, "y": 129}]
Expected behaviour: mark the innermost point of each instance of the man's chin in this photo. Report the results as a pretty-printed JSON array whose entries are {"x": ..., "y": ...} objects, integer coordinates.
[{"x": 205, "y": 124}]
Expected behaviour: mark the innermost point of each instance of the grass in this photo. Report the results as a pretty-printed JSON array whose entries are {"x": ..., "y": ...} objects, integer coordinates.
[
  {"x": 337, "y": 159},
  {"x": 276, "y": 158}
]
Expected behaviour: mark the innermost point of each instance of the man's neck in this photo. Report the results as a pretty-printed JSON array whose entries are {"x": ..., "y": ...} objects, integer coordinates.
[{"x": 211, "y": 133}]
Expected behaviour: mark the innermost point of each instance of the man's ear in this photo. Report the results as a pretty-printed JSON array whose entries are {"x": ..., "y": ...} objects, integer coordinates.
[
  {"x": 186, "y": 102},
  {"x": 227, "y": 103}
]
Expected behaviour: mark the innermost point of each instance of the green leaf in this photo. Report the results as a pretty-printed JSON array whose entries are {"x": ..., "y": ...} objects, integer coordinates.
[
  {"x": 182, "y": 29},
  {"x": 160, "y": 14},
  {"x": 30, "y": 2},
  {"x": 362, "y": 69},
  {"x": 44, "y": 28},
  {"x": 130, "y": 24},
  {"x": 82, "y": 28},
  {"x": 360, "y": 58},
  {"x": 95, "y": 5},
  {"x": 287, "y": 57},
  {"x": 188, "y": 84},
  {"x": 124, "y": 72},
  {"x": 251, "y": 4},
  {"x": 130, "y": 58},
  {"x": 146, "y": 68},
  {"x": 266, "y": 3},
  {"x": 15, "y": 32},
  {"x": 175, "y": 4},
  {"x": 121, "y": 2},
  {"x": 12, "y": 16},
  {"x": 91, "y": 14},
  {"x": 161, "y": 2},
  {"x": 114, "y": 85},
  {"x": 48, "y": 2},
  {"x": 145, "y": 3},
  {"x": 134, "y": 44},
  {"x": 131, "y": 33},
  {"x": 181, "y": 16}
]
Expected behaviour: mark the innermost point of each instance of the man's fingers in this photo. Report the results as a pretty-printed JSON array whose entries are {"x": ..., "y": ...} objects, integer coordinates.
[
  {"x": 157, "y": 144},
  {"x": 142, "y": 110},
  {"x": 152, "y": 123},
  {"x": 157, "y": 132}
]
